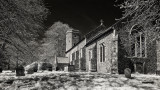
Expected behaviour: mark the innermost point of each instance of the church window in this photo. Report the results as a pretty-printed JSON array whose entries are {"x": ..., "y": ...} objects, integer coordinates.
[
  {"x": 102, "y": 53},
  {"x": 73, "y": 58},
  {"x": 138, "y": 42}
]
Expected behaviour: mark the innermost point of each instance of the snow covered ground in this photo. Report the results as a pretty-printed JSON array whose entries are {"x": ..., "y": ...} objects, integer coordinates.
[{"x": 77, "y": 81}]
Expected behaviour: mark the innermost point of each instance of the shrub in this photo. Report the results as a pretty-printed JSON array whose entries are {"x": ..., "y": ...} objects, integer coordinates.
[
  {"x": 45, "y": 66},
  {"x": 32, "y": 68}
]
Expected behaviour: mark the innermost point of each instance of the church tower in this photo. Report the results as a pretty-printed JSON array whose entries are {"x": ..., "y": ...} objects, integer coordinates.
[{"x": 72, "y": 38}]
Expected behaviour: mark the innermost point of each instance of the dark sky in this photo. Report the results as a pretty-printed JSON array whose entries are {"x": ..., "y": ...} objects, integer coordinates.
[{"x": 83, "y": 15}]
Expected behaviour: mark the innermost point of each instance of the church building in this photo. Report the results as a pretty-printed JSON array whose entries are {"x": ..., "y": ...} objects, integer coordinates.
[
  {"x": 96, "y": 52},
  {"x": 101, "y": 50}
]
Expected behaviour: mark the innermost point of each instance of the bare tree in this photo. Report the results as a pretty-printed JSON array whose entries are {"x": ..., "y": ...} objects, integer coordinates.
[
  {"x": 20, "y": 22},
  {"x": 55, "y": 41},
  {"x": 145, "y": 16}
]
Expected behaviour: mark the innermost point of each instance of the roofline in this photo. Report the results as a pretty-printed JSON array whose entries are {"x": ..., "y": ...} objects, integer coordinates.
[
  {"x": 111, "y": 27},
  {"x": 75, "y": 45},
  {"x": 99, "y": 35},
  {"x": 94, "y": 29}
]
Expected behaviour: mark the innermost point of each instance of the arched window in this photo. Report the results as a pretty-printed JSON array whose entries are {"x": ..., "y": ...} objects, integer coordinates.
[
  {"x": 102, "y": 52},
  {"x": 138, "y": 41}
]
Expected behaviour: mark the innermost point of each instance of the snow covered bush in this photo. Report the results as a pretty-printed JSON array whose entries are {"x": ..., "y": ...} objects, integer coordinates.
[
  {"x": 44, "y": 66},
  {"x": 31, "y": 68}
]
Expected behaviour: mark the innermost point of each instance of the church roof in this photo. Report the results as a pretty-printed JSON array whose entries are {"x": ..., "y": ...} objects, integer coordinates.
[
  {"x": 97, "y": 29},
  {"x": 97, "y": 36},
  {"x": 101, "y": 28},
  {"x": 102, "y": 31},
  {"x": 75, "y": 45}
]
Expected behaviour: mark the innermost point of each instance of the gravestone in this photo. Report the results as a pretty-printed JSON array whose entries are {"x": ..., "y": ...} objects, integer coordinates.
[
  {"x": 57, "y": 68},
  {"x": 0, "y": 69},
  {"x": 66, "y": 68},
  {"x": 20, "y": 71},
  {"x": 49, "y": 68},
  {"x": 127, "y": 73},
  {"x": 71, "y": 68}
]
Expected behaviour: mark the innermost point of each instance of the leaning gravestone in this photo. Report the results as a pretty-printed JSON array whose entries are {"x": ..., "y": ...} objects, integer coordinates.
[
  {"x": 20, "y": 71},
  {"x": 127, "y": 73}
]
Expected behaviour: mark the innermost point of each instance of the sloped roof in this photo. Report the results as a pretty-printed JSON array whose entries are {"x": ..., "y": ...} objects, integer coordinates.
[
  {"x": 75, "y": 45},
  {"x": 97, "y": 31},
  {"x": 102, "y": 30},
  {"x": 62, "y": 60},
  {"x": 98, "y": 35}
]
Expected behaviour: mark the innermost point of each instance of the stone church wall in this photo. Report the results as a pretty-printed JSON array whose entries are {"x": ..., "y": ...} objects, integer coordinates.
[
  {"x": 78, "y": 52},
  {"x": 110, "y": 57},
  {"x": 146, "y": 65},
  {"x": 89, "y": 58}
]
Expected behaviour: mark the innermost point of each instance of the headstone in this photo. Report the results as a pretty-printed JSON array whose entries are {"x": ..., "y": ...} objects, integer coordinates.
[
  {"x": 57, "y": 68},
  {"x": 49, "y": 68},
  {"x": 71, "y": 68},
  {"x": 20, "y": 71},
  {"x": 66, "y": 68},
  {"x": 158, "y": 72},
  {"x": 1, "y": 69},
  {"x": 127, "y": 73}
]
